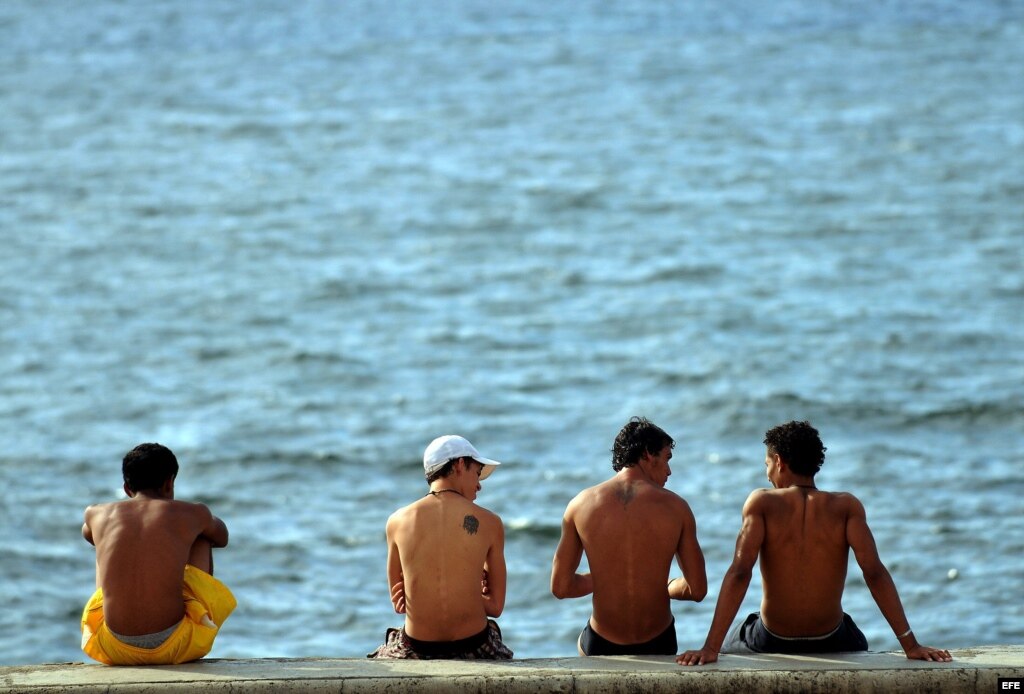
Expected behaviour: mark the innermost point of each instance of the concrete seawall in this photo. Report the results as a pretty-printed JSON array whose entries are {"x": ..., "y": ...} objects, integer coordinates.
[{"x": 973, "y": 670}]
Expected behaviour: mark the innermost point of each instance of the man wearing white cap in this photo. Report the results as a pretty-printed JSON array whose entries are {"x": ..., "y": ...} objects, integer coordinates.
[{"x": 446, "y": 563}]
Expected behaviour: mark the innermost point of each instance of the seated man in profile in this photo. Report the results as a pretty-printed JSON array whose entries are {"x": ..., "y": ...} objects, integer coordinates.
[
  {"x": 156, "y": 600},
  {"x": 803, "y": 536},
  {"x": 446, "y": 563},
  {"x": 631, "y": 528}
]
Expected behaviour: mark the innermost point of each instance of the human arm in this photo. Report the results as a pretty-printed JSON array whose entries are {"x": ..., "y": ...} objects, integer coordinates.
[
  {"x": 734, "y": 584},
  {"x": 87, "y": 529},
  {"x": 213, "y": 528},
  {"x": 693, "y": 584},
  {"x": 396, "y": 580},
  {"x": 495, "y": 574},
  {"x": 882, "y": 587},
  {"x": 565, "y": 581}
]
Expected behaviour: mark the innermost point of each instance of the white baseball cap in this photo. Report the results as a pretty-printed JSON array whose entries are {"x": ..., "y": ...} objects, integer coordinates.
[{"x": 445, "y": 448}]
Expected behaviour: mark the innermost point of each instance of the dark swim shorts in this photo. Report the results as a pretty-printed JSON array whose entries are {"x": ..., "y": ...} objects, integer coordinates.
[
  {"x": 486, "y": 645},
  {"x": 592, "y": 643},
  {"x": 752, "y": 636}
]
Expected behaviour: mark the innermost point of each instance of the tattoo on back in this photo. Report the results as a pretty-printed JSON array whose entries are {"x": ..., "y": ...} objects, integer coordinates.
[
  {"x": 625, "y": 495},
  {"x": 470, "y": 524}
]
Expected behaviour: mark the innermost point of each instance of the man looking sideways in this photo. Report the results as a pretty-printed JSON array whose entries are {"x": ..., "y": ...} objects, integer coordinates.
[
  {"x": 446, "y": 563},
  {"x": 631, "y": 528}
]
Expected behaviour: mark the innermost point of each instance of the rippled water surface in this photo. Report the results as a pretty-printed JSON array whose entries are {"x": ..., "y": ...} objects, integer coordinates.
[{"x": 296, "y": 241}]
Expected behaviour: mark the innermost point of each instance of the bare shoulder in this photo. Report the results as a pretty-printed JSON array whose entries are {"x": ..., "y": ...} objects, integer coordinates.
[
  {"x": 194, "y": 506},
  {"x": 486, "y": 516},
  {"x": 590, "y": 494},
  {"x": 484, "y": 524},
  {"x": 848, "y": 503},
  {"x": 758, "y": 500},
  {"x": 845, "y": 497},
  {"x": 672, "y": 501},
  {"x": 192, "y": 509},
  {"x": 398, "y": 518},
  {"x": 584, "y": 500},
  {"x": 94, "y": 519},
  {"x": 93, "y": 510},
  {"x": 672, "y": 497},
  {"x": 107, "y": 509}
]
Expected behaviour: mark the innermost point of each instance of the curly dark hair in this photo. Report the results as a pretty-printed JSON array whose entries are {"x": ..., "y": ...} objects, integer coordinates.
[
  {"x": 799, "y": 445},
  {"x": 639, "y": 436},
  {"x": 148, "y": 466}
]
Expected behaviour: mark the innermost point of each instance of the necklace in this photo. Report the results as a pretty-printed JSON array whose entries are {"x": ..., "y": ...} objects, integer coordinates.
[
  {"x": 446, "y": 489},
  {"x": 804, "y": 486}
]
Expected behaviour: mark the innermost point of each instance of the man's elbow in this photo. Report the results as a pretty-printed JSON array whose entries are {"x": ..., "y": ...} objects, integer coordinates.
[
  {"x": 218, "y": 541},
  {"x": 219, "y": 537},
  {"x": 876, "y": 574},
  {"x": 699, "y": 592},
  {"x": 494, "y": 602},
  {"x": 561, "y": 587},
  {"x": 738, "y": 575}
]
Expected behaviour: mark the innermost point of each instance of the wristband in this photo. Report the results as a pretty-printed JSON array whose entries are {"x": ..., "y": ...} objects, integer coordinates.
[{"x": 905, "y": 634}]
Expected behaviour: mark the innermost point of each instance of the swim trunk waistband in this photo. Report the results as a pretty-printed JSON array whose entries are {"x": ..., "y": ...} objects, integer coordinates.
[
  {"x": 592, "y": 643},
  {"x": 154, "y": 640},
  {"x": 439, "y": 649},
  {"x": 802, "y": 638}
]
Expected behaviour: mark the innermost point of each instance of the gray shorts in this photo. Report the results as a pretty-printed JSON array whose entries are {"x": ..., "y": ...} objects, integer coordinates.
[
  {"x": 146, "y": 640},
  {"x": 751, "y": 636}
]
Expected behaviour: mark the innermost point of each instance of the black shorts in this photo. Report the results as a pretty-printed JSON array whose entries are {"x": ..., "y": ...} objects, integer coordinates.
[
  {"x": 752, "y": 636},
  {"x": 592, "y": 643}
]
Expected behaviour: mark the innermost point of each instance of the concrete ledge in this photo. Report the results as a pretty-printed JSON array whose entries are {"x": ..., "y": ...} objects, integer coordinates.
[{"x": 973, "y": 670}]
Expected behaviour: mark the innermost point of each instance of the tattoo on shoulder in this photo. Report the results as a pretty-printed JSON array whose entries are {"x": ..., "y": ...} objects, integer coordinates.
[
  {"x": 625, "y": 495},
  {"x": 470, "y": 524}
]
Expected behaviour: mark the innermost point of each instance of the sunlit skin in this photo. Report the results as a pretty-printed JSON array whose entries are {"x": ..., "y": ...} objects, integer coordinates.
[
  {"x": 142, "y": 546},
  {"x": 446, "y": 564},
  {"x": 803, "y": 536},
  {"x": 631, "y": 528}
]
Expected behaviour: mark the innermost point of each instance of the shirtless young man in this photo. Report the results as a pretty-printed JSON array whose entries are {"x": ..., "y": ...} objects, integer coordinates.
[
  {"x": 803, "y": 536},
  {"x": 631, "y": 527},
  {"x": 446, "y": 563},
  {"x": 156, "y": 601}
]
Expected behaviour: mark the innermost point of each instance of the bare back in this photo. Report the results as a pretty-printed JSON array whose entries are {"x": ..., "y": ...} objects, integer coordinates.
[
  {"x": 803, "y": 558},
  {"x": 142, "y": 546},
  {"x": 630, "y": 531},
  {"x": 803, "y": 537},
  {"x": 440, "y": 547}
]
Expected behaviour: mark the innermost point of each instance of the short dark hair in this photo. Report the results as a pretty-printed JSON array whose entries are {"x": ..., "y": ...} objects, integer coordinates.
[
  {"x": 148, "y": 466},
  {"x": 799, "y": 445},
  {"x": 442, "y": 471},
  {"x": 639, "y": 436}
]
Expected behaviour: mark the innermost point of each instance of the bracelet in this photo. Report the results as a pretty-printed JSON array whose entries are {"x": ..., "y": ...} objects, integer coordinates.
[{"x": 905, "y": 634}]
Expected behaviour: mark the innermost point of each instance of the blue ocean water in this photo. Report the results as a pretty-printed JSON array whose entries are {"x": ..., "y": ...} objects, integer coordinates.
[{"x": 296, "y": 241}]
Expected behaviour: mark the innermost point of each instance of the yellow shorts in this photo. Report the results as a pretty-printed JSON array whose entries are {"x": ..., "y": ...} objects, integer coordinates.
[{"x": 208, "y": 602}]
